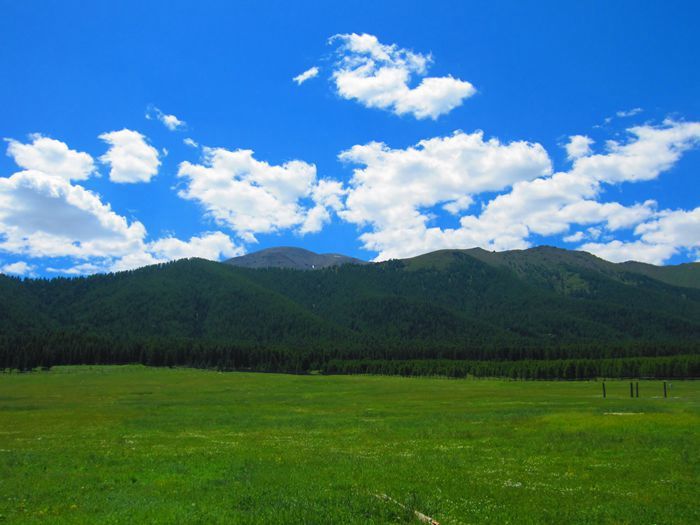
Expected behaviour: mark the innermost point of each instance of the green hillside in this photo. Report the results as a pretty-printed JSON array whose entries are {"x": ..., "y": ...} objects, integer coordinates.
[
  {"x": 540, "y": 304},
  {"x": 687, "y": 275}
]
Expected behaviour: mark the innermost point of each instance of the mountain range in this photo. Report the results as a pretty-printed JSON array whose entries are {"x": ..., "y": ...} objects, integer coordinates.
[{"x": 541, "y": 303}]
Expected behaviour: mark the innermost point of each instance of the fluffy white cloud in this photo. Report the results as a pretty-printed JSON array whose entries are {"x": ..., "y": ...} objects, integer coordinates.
[
  {"x": 213, "y": 246},
  {"x": 51, "y": 156},
  {"x": 669, "y": 232},
  {"x": 130, "y": 157},
  {"x": 172, "y": 122},
  {"x": 578, "y": 146},
  {"x": 310, "y": 73},
  {"x": 650, "y": 151},
  {"x": 18, "y": 268},
  {"x": 575, "y": 237},
  {"x": 44, "y": 215},
  {"x": 169, "y": 121},
  {"x": 327, "y": 195},
  {"x": 677, "y": 228},
  {"x": 190, "y": 142},
  {"x": 393, "y": 185},
  {"x": 252, "y": 196},
  {"x": 379, "y": 76},
  {"x": 393, "y": 193},
  {"x": 549, "y": 205},
  {"x": 620, "y": 251}
]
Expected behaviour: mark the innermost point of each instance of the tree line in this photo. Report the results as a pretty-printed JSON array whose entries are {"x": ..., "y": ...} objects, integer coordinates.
[{"x": 26, "y": 353}]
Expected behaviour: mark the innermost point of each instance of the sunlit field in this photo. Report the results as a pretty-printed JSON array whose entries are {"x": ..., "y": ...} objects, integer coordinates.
[{"x": 148, "y": 445}]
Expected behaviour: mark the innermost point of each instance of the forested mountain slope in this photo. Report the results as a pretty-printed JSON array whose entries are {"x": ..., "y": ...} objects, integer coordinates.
[{"x": 538, "y": 304}]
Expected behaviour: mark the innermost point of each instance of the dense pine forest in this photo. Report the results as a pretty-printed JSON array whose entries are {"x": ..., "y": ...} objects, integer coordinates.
[{"x": 543, "y": 313}]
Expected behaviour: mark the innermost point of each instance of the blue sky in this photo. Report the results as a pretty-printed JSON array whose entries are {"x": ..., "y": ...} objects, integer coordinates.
[{"x": 495, "y": 90}]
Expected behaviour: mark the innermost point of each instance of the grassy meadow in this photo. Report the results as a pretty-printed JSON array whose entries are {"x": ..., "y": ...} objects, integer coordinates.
[{"x": 132, "y": 444}]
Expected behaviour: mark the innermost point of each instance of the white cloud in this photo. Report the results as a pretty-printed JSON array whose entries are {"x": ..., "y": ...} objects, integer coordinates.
[
  {"x": 629, "y": 113},
  {"x": 172, "y": 122},
  {"x": 169, "y": 121},
  {"x": 130, "y": 157},
  {"x": 79, "y": 269},
  {"x": 620, "y": 251},
  {"x": 575, "y": 237},
  {"x": 594, "y": 233},
  {"x": 650, "y": 151},
  {"x": 18, "y": 268},
  {"x": 51, "y": 156},
  {"x": 669, "y": 232},
  {"x": 306, "y": 75},
  {"x": 458, "y": 205},
  {"x": 393, "y": 193},
  {"x": 207, "y": 246},
  {"x": 327, "y": 195},
  {"x": 44, "y": 215},
  {"x": 549, "y": 205},
  {"x": 212, "y": 246},
  {"x": 393, "y": 185},
  {"x": 379, "y": 76},
  {"x": 677, "y": 227},
  {"x": 251, "y": 196},
  {"x": 578, "y": 146},
  {"x": 190, "y": 142}
]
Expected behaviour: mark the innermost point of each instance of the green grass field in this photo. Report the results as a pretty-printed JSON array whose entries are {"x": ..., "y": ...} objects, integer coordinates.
[{"x": 144, "y": 445}]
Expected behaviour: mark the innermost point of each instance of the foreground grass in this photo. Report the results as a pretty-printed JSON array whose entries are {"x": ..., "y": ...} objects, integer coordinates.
[{"x": 140, "y": 445}]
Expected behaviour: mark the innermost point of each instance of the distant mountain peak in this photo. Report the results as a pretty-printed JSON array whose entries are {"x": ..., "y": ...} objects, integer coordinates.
[
  {"x": 292, "y": 257},
  {"x": 538, "y": 261}
]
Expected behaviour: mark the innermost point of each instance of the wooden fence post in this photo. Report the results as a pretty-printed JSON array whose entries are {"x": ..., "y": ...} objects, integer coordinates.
[
  {"x": 631, "y": 389},
  {"x": 665, "y": 394},
  {"x": 637, "y": 388},
  {"x": 604, "y": 389}
]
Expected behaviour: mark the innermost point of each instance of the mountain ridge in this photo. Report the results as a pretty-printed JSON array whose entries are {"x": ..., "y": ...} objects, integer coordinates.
[
  {"x": 291, "y": 257},
  {"x": 521, "y": 261},
  {"x": 540, "y": 304}
]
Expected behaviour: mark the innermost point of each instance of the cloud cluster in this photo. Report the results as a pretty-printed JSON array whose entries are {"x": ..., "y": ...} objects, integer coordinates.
[
  {"x": 43, "y": 214},
  {"x": 130, "y": 157},
  {"x": 379, "y": 76},
  {"x": 394, "y": 188},
  {"x": 455, "y": 191},
  {"x": 211, "y": 245},
  {"x": 251, "y": 196},
  {"x": 669, "y": 232}
]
